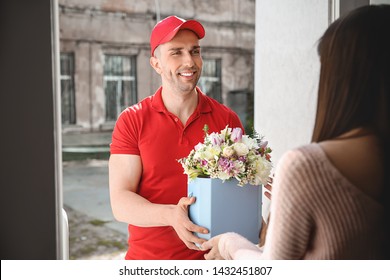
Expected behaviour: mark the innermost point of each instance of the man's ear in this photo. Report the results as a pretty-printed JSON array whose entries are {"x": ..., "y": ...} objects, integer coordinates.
[{"x": 155, "y": 63}]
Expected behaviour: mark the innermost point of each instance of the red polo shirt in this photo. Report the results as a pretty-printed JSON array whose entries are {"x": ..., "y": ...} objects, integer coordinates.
[{"x": 147, "y": 129}]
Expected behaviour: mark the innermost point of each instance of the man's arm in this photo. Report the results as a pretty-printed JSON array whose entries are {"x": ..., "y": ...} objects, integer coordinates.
[{"x": 129, "y": 207}]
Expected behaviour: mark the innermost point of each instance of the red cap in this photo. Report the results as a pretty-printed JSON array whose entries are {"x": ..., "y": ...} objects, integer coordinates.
[{"x": 167, "y": 28}]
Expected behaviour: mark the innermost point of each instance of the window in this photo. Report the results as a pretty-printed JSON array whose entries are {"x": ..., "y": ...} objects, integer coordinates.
[
  {"x": 67, "y": 89},
  {"x": 119, "y": 84},
  {"x": 210, "y": 81}
]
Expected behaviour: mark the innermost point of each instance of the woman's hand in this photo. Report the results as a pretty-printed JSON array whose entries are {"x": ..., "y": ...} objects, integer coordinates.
[
  {"x": 264, "y": 224},
  {"x": 212, "y": 245},
  {"x": 268, "y": 187},
  {"x": 183, "y": 225}
]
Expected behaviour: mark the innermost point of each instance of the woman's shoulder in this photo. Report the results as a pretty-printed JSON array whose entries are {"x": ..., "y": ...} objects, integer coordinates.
[
  {"x": 303, "y": 155},
  {"x": 298, "y": 175},
  {"x": 299, "y": 163}
]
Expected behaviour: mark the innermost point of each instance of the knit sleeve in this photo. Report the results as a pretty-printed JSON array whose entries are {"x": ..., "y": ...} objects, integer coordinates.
[{"x": 290, "y": 223}]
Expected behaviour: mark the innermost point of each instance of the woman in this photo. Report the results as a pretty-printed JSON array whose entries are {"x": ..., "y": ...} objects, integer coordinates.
[{"x": 330, "y": 198}]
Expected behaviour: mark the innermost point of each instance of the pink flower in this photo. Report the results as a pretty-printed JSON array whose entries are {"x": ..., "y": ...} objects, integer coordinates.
[
  {"x": 236, "y": 134},
  {"x": 215, "y": 139},
  {"x": 264, "y": 144}
]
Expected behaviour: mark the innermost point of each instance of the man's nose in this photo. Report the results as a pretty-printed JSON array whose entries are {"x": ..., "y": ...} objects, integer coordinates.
[{"x": 188, "y": 60}]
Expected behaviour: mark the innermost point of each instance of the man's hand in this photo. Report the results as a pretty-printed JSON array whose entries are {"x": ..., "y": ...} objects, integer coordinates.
[{"x": 183, "y": 225}]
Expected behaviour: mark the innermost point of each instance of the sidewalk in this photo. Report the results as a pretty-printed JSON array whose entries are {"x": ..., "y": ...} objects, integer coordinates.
[
  {"x": 86, "y": 142},
  {"x": 94, "y": 233},
  {"x": 85, "y": 186}
]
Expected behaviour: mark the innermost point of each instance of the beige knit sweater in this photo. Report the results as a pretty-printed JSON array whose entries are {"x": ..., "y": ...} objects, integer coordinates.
[{"x": 316, "y": 213}]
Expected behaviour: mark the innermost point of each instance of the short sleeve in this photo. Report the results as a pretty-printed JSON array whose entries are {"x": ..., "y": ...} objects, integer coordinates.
[{"x": 125, "y": 134}]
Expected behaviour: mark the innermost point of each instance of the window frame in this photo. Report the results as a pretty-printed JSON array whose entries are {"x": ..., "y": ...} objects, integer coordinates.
[{"x": 132, "y": 96}]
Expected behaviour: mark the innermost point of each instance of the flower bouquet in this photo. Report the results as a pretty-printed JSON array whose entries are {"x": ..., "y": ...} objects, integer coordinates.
[{"x": 225, "y": 174}]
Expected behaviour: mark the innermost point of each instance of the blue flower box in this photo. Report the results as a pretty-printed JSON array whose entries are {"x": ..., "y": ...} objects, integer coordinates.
[{"x": 226, "y": 207}]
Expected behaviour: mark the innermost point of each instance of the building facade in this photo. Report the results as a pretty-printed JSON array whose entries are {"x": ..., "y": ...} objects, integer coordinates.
[{"x": 105, "y": 56}]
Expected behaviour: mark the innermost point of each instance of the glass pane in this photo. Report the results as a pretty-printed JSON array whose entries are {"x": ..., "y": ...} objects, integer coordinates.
[
  {"x": 209, "y": 68},
  {"x": 66, "y": 64},
  {"x": 117, "y": 65},
  {"x": 210, "y": 81},
  {"x": 111, "y": 100},
  {"x": 126, "y": 94},
  {"x": 68, "y": 114},
  {"x": 65, "y": 101},
  {"x": 126, "y": 66}
]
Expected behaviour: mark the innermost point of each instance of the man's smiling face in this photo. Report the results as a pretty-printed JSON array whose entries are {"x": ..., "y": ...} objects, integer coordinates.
[{"x": 180, "y": 62}]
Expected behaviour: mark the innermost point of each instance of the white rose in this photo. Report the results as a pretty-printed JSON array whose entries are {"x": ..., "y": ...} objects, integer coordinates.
[
  {"x": 249, "y": 142},
  {"x": 263, "y": 171},
  {"x": 228, "y": 151},
  {"x": 223, "y": 175},
  {"x": 241, "y": 149},
  {"x": 211, "y": 152}
]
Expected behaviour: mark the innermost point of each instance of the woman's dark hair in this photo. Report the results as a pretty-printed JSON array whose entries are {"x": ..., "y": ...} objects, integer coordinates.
[{"x": 354, "y": 86}]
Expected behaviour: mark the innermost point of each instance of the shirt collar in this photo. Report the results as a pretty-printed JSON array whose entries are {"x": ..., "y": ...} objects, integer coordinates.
[{"x": 203, "y": 104}]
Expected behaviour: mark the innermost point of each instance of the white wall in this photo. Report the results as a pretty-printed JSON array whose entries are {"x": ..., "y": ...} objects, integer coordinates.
[
  {"x": 287, "y": 70},
  {"x": 287, "y": 66}
]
